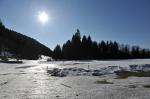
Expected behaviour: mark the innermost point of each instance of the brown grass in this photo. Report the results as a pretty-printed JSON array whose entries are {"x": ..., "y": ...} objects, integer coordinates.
[
  {"x": 126, "y": 74},
  {"x": 103, "y": 82},
  {"x": 146, "y": 86}
]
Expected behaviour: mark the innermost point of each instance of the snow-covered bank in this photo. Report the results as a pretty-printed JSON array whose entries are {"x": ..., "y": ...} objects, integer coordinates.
[{"x": 75, "y": 71}]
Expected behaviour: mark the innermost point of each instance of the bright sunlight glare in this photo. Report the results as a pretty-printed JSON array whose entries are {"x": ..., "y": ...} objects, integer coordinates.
[{"x": 43, "y": 17}]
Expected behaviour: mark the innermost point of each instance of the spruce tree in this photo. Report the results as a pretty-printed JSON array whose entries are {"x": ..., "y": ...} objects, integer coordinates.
[{"x": 57, "y": 53}]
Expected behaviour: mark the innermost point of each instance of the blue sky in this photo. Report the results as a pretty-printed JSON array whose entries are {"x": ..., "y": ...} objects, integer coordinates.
[{"x": 125, "y": 21}]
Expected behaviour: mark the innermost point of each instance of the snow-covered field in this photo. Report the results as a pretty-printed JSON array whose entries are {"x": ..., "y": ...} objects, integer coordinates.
[{"x": 30, "y": 80}]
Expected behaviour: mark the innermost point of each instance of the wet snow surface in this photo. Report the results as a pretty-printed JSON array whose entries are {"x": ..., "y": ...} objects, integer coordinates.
[{"x": 30, "y": 80}]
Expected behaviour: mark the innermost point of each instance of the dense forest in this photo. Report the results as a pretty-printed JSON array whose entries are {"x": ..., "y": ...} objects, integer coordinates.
[
  {"x": 21, "y": 46},
  {"x": 83, "y": 48}
]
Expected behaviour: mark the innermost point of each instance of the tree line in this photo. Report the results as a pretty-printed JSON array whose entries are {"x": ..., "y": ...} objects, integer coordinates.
[
  {"x": 84, "y": 48},
  {"x": 78, "y": 48}
]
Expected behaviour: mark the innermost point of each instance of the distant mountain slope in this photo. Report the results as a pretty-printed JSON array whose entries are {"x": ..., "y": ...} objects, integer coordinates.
[{"x": 20, "y": 45}]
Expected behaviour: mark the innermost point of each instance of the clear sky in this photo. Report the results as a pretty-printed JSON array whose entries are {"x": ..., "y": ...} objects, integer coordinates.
[{"x": 125, "y": 21}]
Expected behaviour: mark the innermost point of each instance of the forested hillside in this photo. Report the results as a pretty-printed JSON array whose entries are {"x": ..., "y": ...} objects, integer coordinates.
[
  {"x": 83, "y": 48},
  {"x": 21, "y": 46}
]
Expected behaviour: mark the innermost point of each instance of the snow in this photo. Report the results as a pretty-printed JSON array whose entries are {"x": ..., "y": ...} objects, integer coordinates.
[
  {"x": 30, "y": 80},
  {"x": 96, "y": 68},
  {"x": 74, "y": 71}
]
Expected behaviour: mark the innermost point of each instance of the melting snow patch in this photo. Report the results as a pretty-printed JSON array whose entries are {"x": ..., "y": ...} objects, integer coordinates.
[{"x": 74, "y": 71}]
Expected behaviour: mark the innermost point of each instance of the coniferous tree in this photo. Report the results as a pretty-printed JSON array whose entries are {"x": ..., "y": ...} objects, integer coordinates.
[
  {"x": 115, "y": 50},
  {"x": 57, "y": 53},
  {"x": 76, "y": 45},
  {"x": 124, "y": 52},
  {"x": 135, "y": 51},
  {"x": 84, "y": 47},
  {"x": 103, "y": 49},
  {"x": 94, "y": 50},
  {"x": 89, "y": 48},
  {"x": 67, "y": 51}
]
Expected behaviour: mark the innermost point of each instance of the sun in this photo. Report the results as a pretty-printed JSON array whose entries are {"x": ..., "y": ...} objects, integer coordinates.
[{"x": 43, "y": 17}]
